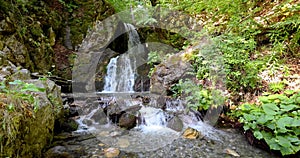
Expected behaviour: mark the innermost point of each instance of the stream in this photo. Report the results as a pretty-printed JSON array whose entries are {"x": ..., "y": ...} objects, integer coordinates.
[{"x": 153, "y": 125}]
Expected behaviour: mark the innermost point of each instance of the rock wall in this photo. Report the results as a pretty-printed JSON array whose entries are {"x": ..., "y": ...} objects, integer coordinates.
[{"x": 42, "y": 35}]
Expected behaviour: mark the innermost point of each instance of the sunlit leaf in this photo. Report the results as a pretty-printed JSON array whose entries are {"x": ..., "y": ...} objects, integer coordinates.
[{"x": 270, "y": 108}]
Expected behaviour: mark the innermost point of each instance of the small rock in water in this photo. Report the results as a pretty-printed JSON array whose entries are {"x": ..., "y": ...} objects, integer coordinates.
[
  {"x": 111, "y": 152},
  {"x": 123, "y": 143},
  {"x": 176, "y": 124},
  {"x": 101, "y": 144},
  {"x": 232, "y": 152},
  {"x": 58, "y": 151},
  {"x": 191, "y": 133},
  {"x": 127, "y": 121},
  {"x": 115, "y": 134}
]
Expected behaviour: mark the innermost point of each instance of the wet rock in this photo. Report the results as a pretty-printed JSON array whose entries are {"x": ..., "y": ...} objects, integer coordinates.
[
  {"x": 176, "y": 124},
  {"x": 168, "y": 73},
  {"x": 124, "y": 116},
  {"x": 87, "y": 122},
  {"x": 123, "y": 143},
  {"x": 127, "y": 121},
  {"x": 73, "y": 111},
  {"x": 111, "y": 152},
  {"x": 191, "y": 133},
  {"x": 99, "y": 117},
  {"x": 58, "y": 152},
  {"x": 132, "y": 109},
  {"x": 68, "y": 125}
]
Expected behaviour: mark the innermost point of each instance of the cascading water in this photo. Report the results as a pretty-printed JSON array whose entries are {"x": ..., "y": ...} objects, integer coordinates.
[
  {"x": 153, "y": 130},
  {"x": 121, "y": 70}
]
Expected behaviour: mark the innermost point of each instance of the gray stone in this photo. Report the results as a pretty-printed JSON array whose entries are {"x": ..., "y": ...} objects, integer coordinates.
[
  {"x": 58, "y": 152},
  {"x": 176, "y": 124},
  {"x": 99, "y": 117},
  {"x": 127, "y": 121}
]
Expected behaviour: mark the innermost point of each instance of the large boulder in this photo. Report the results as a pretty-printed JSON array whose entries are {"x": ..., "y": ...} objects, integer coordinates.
[
  {"x": 168, "y": 73},
  {"x": 27, "y": 126}
]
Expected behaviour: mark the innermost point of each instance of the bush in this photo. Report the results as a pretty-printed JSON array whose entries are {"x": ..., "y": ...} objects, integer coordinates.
[{"x": 276, "y": 120}]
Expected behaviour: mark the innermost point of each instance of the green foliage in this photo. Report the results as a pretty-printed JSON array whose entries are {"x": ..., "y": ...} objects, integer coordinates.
[
  {"x": 70, "y": 6},
  {"x": 20, "y": 94},
  {"x": 154, "y": 58},
  {"x": 276, "y": 87},
  {"x": 197, "y": 97},
  {"x": 276, "y": 120},
  {"x": 127, "y": 4},
  {"x": 240, "y": 71}
]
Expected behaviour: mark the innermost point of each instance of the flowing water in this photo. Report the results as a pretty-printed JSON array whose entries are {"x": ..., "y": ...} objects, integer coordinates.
[
  {"x": 122, "y": 70},
  {"x": 151, "y": 132}
]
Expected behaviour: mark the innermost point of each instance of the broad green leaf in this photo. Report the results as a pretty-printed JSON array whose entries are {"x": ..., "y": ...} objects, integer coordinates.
[
  {"x": 246, "y": 127},
  {"x": 284, "y": 121},
  {"x": 283, "y": 141},
  {"x": 273, "y": 143},
  {"x": 246, "y": 107},
  {"x": 289, "y": 92},
  {"x": 258, "y": 135},
  {"x": 296, "y": 148},
  {"x": 270, "y": 108},
  {"x": 286, "y": 150},
  {"x": 297, "y": 131},
  {"x": 295, "y": 123},
  {"x": 264, "y": 99},
  {"x": 249, "y": 117},
  {"x": 271, "y": 126},
  {"x": 262, "y": 119},
  {"x": 297, "y": 100},
  {"x": 287, "y": 101},
  {"x": 293, "y": 139},
  {"x": 288, "y": 107},
  {"x": 277, "y": 96}
]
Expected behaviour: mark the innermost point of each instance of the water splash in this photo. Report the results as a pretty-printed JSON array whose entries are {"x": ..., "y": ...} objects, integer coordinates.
[{"x": 122, "y": 70}]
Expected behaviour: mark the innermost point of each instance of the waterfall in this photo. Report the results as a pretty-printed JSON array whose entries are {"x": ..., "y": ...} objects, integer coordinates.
[{"x": 122, "y": 70}]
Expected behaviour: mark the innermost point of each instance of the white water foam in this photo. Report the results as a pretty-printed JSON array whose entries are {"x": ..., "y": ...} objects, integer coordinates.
[{"x": 122, "y": 70}]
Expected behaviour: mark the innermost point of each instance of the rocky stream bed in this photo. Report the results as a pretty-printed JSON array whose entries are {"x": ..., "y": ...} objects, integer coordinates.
[{"x": 109, "y": 140}]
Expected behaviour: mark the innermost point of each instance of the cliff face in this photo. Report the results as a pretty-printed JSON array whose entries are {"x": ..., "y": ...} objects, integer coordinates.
[{"x": 41, "y": 35}]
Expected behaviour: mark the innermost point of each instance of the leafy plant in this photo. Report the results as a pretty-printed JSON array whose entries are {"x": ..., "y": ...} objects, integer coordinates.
[
  {"x": 69, "y": 5},
  {"x": 19, "y": 94},
  {"x": 276, "y": 87},
  {"x": 197, "y": 97},
  {"x": 276, "y": 120},
  {"x": 154, "y": 58}
]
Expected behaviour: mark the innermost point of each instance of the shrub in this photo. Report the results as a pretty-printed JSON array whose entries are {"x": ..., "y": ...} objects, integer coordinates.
[{"x": 276, "y": 120}]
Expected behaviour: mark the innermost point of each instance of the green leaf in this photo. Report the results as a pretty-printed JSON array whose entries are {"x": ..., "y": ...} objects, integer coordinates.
[
  {"x": 285, "y": 121},
  {"x": 289, "y": 92},
  {"x": 293, "y": 139},
  {"x": 288, "y": 107},
  {"x": 249, "y": 117},
  {"x": 265, "y": 118},
  {"x": 270, "y": 108},
  {"x": 283, "y": 141},
  {"x": 246, "y": 107},
  {"x": 258, "y": 135},
  {"x": 264, "y": 99},
  {"x": 16, "y": 82},
  {"x": 297, "y": 131},
  {"x": 273, "y": 143},
  {"x": 295, "y": 123},
  {"x": 286, "y": 150}
]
